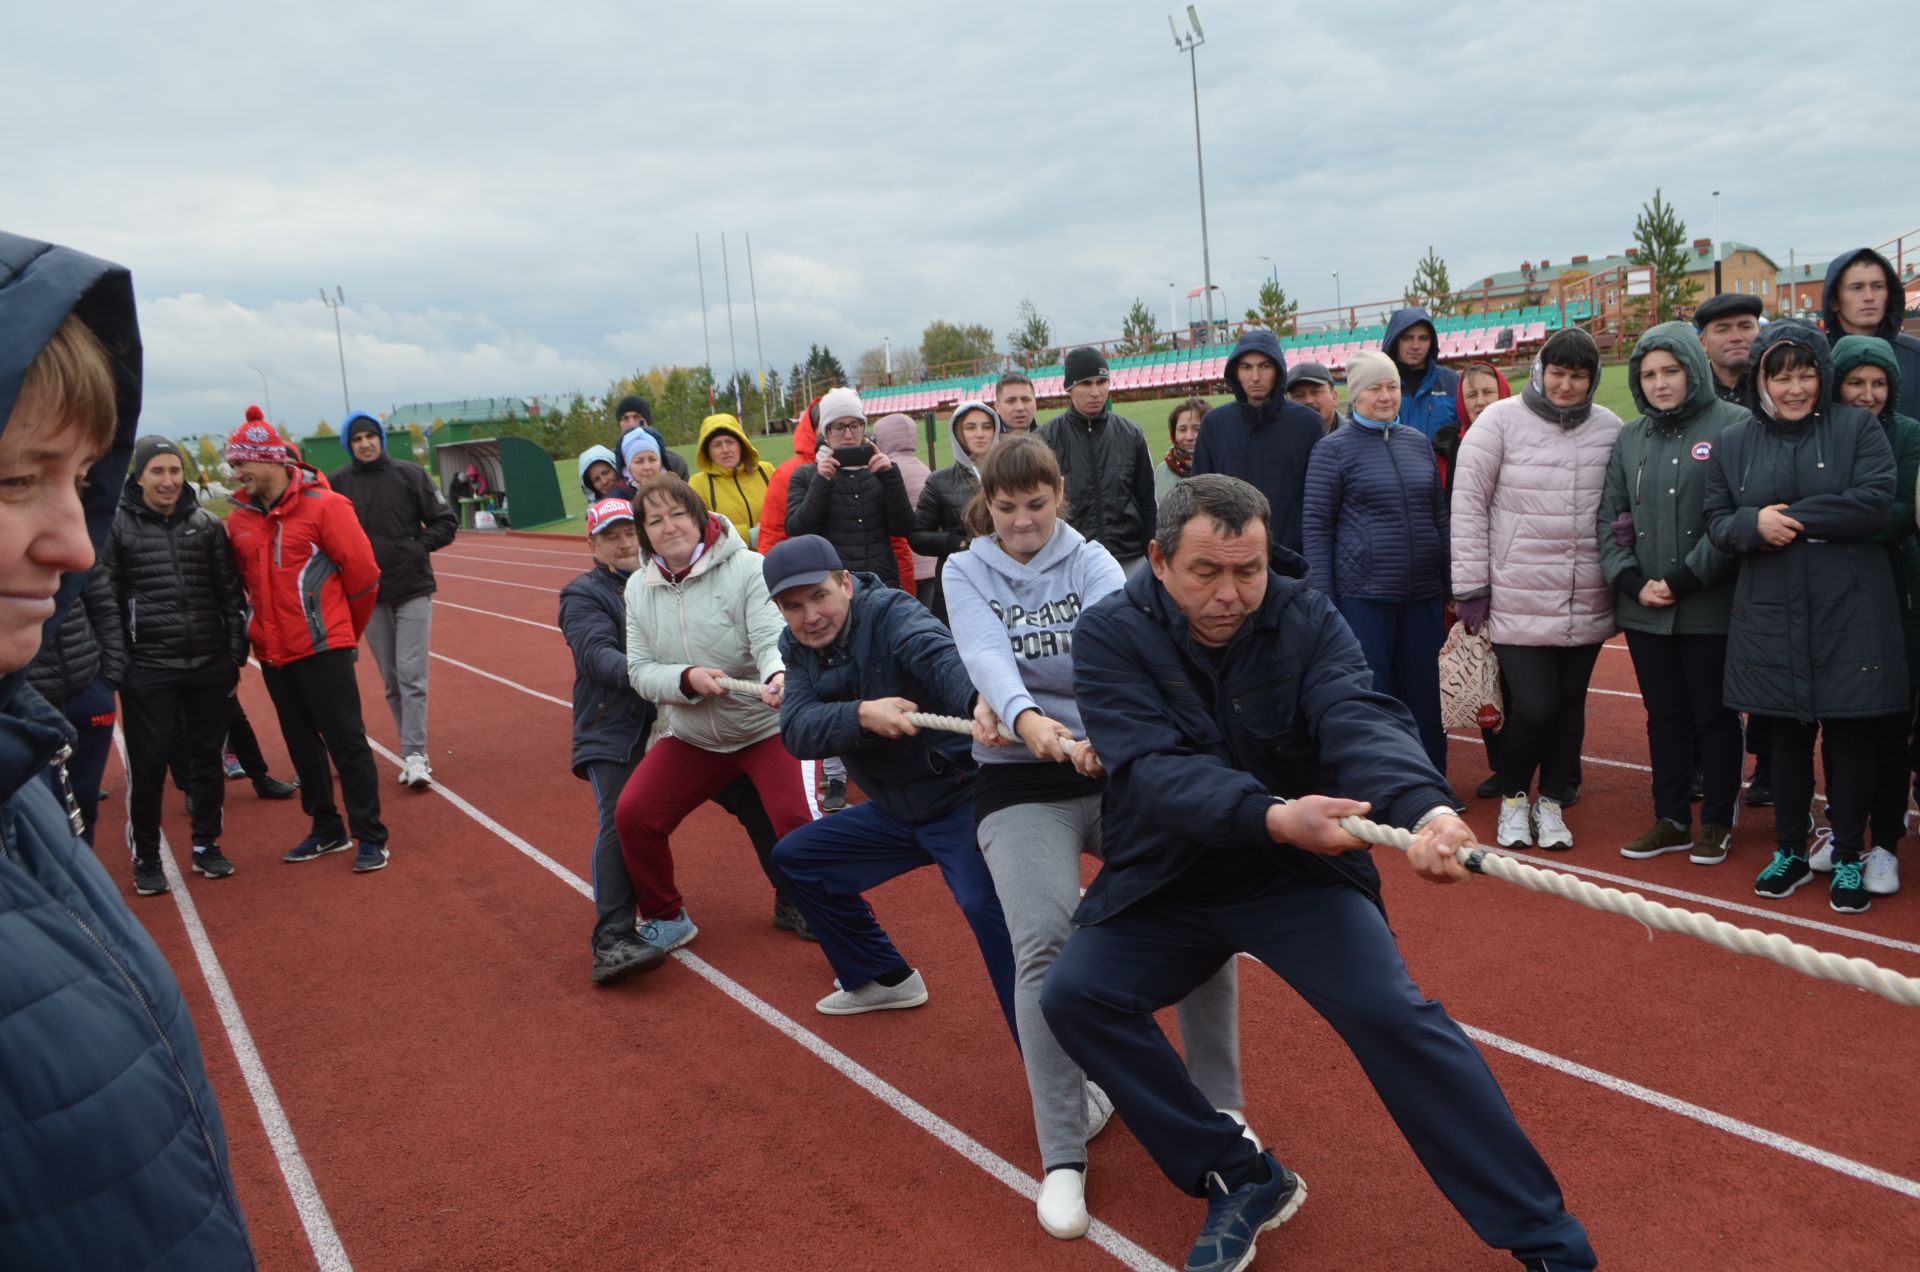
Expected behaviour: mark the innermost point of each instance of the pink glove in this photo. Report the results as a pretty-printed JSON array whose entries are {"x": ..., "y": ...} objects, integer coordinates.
[
  {"x": 1623, "y": 530},
  {"x": 1473, "y": 614}
]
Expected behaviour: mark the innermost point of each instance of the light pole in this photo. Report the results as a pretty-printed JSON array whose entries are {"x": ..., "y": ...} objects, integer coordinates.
[
  {"x": 337, "y": 303},
  {"x": 1337, "y": 302},
  {"x": 706, "y": 341},
  {"x": 759, "y": 353},
  {"x": 1187, "y": 44},
  {"x": 726, "y": 275},
  {"x": 263, "y": 386}
]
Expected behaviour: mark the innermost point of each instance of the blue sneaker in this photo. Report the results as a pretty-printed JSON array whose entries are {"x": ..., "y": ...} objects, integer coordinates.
[
  {"x": 668, "y": 935},
  {"x": 370, "y": 858},
  {"x": 313, "y": 846},
  {"x": 1236, "y": 1219}
]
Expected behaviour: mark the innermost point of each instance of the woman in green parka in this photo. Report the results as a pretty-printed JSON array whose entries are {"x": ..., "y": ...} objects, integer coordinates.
[{"x": 1675, "y": 589}]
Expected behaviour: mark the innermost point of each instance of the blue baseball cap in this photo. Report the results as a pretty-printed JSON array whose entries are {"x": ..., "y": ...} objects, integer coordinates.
[{"x": 799, "y": 562}]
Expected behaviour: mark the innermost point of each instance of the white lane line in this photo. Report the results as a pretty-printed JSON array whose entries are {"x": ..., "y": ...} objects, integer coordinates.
[
  {"x": 493, "y": 545},
  {"x": 511, "y": 618},
  {"x": 517, "y": 565},
  {"x": 481, "y": 578},
  {"x": 1127, "y": 1252},
  {"x": 1707, "y": 1117},
  {"x": 544, "y": 697},
  {"x": 322, "y": 1238}
]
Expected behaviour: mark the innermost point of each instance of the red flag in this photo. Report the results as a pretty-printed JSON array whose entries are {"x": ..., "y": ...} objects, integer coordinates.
[{"x": 1195, "y": 292}]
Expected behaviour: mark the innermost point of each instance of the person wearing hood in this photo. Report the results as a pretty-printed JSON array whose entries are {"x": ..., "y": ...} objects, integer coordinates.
[
  {"x": 406, "y": 519},
  {"x": 1103, "y": 457},
  {"x": 1727, "y": 324},
  {"x": 698, "y": 613},
  {"x": 1864, "y": 297},
  {"x": 894, "y": 434},
  {"x": 940, "y": 514},
  {"x": 853, "y": 496},
  {"x": 730, "y": 475},
  {"x": 1015, "y": 595},
  {"x": 312, "y": 578},
  {"x": 1262, "y": 437},
  {"x": 773, "y": 510},
  {"x": 1526, "y": 567},
  {"x": 1674, "y": 589},
  {"x": 115, "y": 1153},
  {"x": 635, "y": 412},
  {"x": 641, "y": 455},
  {"x": 1867, "y": 375},
  {"x": 1798, "y": 494},
  {"x": 183, "y": 617},
  {"x": 1376, "y": 543},
  {"x": 602, "y": 475},
  {"x": 1183, "y": 430},
  {"x": 1427, "y": 389}
]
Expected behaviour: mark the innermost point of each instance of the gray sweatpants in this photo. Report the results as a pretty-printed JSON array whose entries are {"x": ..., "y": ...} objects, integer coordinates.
[
  {"x": 397, "y": 635},
  {"x": 1033, "y": 852}
]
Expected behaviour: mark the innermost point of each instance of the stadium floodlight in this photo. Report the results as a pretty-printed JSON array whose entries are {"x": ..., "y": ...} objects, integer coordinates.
[
  {"x": 337, "y": 302},
  {"x": 1176, "y": 34},
  {"x": 1193, "y": 16},
  {"x": 1187, "y": 44}
]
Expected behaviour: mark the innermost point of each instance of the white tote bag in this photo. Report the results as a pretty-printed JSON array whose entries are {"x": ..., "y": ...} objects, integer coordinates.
[{"x": 1470, "y": 682}]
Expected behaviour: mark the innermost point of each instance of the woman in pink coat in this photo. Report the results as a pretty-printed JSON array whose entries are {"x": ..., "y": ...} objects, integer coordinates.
[{"x": 1526, "y": 566}]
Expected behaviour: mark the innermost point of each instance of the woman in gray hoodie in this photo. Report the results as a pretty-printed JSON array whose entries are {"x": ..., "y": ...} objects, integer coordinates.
[{"x": 1013, "y": 597}]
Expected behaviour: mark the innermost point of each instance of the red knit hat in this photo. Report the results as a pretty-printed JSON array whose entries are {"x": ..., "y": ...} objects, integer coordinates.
[{"x": 256, "y": 442}]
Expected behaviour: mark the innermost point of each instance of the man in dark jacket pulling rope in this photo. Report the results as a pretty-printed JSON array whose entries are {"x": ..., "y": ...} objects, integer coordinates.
[{"x": 1245, "y": 693}]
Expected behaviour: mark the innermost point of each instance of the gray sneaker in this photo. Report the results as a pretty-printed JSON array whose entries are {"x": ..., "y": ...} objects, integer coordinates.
[
  {"x": 873, "y": 996},
  {"x": 1710, "y": 848}
]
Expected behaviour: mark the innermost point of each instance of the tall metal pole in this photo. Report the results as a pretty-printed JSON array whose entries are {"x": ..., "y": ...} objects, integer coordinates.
[
  {"x": 1206, "y": 251},
  {"x": 759, "y": 354},
  {"x": 337, "y": 303},
  {"x": 263, "y": 388},
  {"x": 706, "y": 341},
  {"x": 726, "y": 275}
]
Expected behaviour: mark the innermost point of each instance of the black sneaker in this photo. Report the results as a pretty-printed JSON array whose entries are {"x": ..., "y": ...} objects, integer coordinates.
[
  {"x": 1236, "y": 1219},
  {"x": 624, "y": 956},
  {"x": 1573, "y": 796},
  {"x": 149, "y": 880},
  {"x": 1760, "y": 788},
  {"x": 209, "y": 861},
  {"x": 1849, "y": 892},
  {"x": 370, "y": 858},
  {"x": 1489, "y": 789},
  {"x": 1783, "y": 876},
  {"x": 313, "y": 846},
  {"x": 834, "y": 798},
  {"x": 271, "y": 787},
  {"x": 787, "y": 918}
]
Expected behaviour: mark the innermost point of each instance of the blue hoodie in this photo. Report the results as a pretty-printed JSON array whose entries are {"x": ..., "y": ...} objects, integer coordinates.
[
  {"x": 1265, "y": 446},
  {"x": 1427, "y": 405},
  {"x": 113, "y": 1151}
]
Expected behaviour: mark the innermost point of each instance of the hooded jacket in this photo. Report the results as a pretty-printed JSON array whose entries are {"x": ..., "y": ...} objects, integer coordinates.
[
  {"x": 403, "y": 512},
  {"x": 173, "y": 576},
  {"x": 1658, "y": 472},
  {"x": 1109, "y": 478},
  {"x": 1815, "y": 631},
  {"x": 622, "y": 488},
  {"x": 719, "y": 615},
  {"x": 307, "y": 566},
  {"x": 87, "y": 646},
  {"x": 1526, "y": 491},
  {"x": 859, "y": 512},
  {"x": 1428, "y": 401},
  {"x": 939, "y": 515},
  {"x": 1376, "y": 515},
  {"x": 112, "y": 1149},
  {"x": 894, "y": 434},
  {"x": 738, "y": 493},
  {"x": 773, "y": 510},
  {"x": 610, "y": 720},
  {"x": 1446, "y": 442},
  {"x": 1265, "y": 446},
  {"x": 1905, "y": 347},
  {"x": 1903, "y": 434}
]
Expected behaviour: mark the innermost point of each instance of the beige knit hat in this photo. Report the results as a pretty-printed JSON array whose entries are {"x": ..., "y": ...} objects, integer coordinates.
[{"x": 1366, "y": 369}]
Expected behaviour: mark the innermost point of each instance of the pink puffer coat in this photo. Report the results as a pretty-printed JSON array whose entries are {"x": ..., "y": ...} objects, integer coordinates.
[{"x": 1524, "y": 499}]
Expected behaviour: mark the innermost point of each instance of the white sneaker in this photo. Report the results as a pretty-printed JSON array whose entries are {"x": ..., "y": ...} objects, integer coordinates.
[
  {"x": 416, "y": 772},
  {"x": 1516, "y": 824},
  {"x": 1821, "y": 858},
  {"x": 1882, "y": 870},
  {"x": 873, "y": 996},
  {"x": 1063, "y": 1203},
  {"x": 1549, "y": 827},
  {"x": 1099, "y": 1112},
  {"x": 1246, "y": 1130}
]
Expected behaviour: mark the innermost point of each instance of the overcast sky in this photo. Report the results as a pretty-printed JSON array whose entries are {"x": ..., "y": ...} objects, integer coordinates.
[{"x": 509, "y": 193}]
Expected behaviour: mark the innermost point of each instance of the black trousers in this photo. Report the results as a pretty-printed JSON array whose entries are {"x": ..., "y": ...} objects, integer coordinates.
[
  {"x": 1892, "y": 779},
  {"x": 1546, "y": 715},
  {"x": 1847, "y": 748},
  {"x": 1680, "y": 680},
  {"x": 318, "y": 702},
  {"x": 193, "y": 708}
]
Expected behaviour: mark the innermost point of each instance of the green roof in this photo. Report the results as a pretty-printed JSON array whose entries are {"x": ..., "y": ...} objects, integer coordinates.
[{"x": 458, "y": 411}]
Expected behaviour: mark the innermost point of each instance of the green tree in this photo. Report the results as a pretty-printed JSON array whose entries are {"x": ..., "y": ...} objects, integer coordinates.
[
  {"x": 1660, "y": 240},
  {"x": 824, "y": 369},
  {"x": 1276, "y": 313},
  {"x": 209, "y": 454},
  {"x": 1138, "y": 330},
  {"x": 323, "y": 429},
  {"x": 1032, "y": 335},
  {"x": 416, "y": 441},
  {"x": 1431, "y": 289},
  {"x": 944, "y": 344}
]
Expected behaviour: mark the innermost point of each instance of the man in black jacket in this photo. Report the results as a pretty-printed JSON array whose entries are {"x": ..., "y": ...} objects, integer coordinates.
[
  {"x": 1104, "y": 462},
  {"x": 184, "y": 618},
  {"x": 405, "y": 517},
  {"x": 1221, "y": 698},
  {"x": 634, "y": 412}
]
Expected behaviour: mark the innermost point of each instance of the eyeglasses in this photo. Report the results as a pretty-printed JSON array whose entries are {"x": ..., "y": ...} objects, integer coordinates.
[{"x": 846, "y": 427}]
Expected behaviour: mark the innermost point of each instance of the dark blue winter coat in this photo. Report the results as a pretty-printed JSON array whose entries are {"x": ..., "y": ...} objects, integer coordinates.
[
  {"x": 112, "y": 1151},
  {"x": 1906, "y": 349},
  {"x": 1376, "y": 521},
  {"x": 1195, "y": 749},
  {"x": 610, "y": 720},
  {"x": 1428, "y": 406},
  {"x": 1265, "y": 446},
  {"x": 891, "y": 647}
]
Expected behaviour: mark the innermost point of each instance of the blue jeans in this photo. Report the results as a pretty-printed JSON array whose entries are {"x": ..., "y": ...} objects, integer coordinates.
[{"x": 825, "y": 865}]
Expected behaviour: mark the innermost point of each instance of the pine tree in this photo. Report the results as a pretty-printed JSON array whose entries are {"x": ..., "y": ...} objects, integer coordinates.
[
  {"x": 1660, "y": 240},
  {"x": 1032, "y": 335},
  {"x": 1276, "y": 313},
  {"x": 1431, "y": 289},
  {"x": 1138, "y": 330}
]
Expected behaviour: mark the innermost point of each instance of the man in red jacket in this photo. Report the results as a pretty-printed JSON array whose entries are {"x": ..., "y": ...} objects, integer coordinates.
[{"x": 311, "y": 576}]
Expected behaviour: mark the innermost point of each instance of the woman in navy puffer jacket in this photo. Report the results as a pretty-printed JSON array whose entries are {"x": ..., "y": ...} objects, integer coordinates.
[{"x": 1376, "y": 542}]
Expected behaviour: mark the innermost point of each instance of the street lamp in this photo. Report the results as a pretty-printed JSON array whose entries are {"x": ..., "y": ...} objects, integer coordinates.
[
  {"x": 1187, "y": 44},
  {"x": 263, "y": 388},
  {"x": 336, "y": 303}
]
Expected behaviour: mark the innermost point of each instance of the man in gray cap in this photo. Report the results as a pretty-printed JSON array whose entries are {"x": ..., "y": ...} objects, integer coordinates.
[
  {"x": 1311, "y": 385},
  {"x": 1728, "y": 325}
]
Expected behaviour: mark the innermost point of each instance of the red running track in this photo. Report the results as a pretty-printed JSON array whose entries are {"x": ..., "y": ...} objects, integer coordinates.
[{"x": 456, "y": 1094}]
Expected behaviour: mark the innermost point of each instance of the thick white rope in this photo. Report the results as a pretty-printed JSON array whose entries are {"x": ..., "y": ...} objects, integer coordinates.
[{"x": 1858, "y": 972}]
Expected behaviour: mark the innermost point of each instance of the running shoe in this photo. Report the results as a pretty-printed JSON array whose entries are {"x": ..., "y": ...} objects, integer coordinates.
[
  {"x": 1516, "y": 823},
  {"x": 1883, "y": 873},
  {"x": 1848, "y": 895},
  {"x": 623, "y": 957},
  {"x": 873, "y": 996},
  {"x": 208, "y": 861},
  {"x": 1549, "y": 828},
  {"x": 149, "y": 880},
  {"x": 313, "y": 846},
  {"x": 1236, "y": 1219},
  {"x": 370, "y": 858},
  {"x": 669, "y": 933},
  {"x": 1784, "y": 876}
]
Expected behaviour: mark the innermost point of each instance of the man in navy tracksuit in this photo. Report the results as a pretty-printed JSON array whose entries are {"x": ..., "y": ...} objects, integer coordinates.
[
  {"x": 1262, "y": 437},
  {"x": 1221, "y": 696},
  {"x": 860, "y": 657}
]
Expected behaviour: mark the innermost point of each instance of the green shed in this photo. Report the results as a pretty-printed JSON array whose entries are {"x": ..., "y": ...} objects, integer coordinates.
[
  {"x": 517, "y": 476},
  {"x": 324, "y": 451}
]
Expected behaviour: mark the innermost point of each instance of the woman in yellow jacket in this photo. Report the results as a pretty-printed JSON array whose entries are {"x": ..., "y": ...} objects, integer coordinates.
[{"x": 730, "y": 475}]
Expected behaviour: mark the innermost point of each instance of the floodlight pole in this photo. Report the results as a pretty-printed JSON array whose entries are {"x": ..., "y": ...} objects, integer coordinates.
[
  {"x": 706, "y": 341},
  {"x": 759, "y": 352},
  {"x": 263, "y": 384},
  {"x": 1187, "y": 43},
  {"x": 726, "y": 274},
  {"x": 337, "y": 302}
]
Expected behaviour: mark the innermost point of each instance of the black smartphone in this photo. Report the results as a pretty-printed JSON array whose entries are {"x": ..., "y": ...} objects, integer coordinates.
[{"x": 853, "y": 456}]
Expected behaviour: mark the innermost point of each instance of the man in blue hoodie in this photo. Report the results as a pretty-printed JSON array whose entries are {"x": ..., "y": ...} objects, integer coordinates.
[
  {"x": 1427, "y": 389},
  {"x": 1262, "y": 437},
  {"x": 1864, "y": 297}
]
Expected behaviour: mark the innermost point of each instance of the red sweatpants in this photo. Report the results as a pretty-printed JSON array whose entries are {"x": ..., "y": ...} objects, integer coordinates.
[{"x": 672, "y": 781}]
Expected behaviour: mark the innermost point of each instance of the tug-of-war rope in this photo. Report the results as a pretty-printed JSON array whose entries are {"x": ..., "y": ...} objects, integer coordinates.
[{"x": 1858, "y": 972}]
